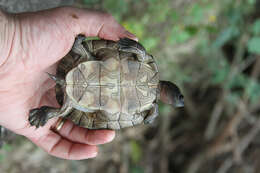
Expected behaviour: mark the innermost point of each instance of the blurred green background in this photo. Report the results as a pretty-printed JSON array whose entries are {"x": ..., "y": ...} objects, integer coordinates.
[{"x": 211, "y": 50}]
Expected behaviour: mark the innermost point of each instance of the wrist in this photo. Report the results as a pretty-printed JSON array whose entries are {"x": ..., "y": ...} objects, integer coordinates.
[{"x": 6, "y": 35}]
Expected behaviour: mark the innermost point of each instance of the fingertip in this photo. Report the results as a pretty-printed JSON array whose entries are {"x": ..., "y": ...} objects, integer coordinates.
[
  {"x": 105, "y": 135},
  {"x": 96, "y": 137},
  {"x": 95, "y": 153},
  {"x": 82, "y": 151},
  {"x": 110, "y": 135},
  {"x": 91, "y": 154},
  {"x": 130, "y": 35}
]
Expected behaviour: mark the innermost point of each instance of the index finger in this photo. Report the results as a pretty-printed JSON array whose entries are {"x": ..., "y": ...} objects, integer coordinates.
[
  {"x": 61, "y": 147},
  {"x": 96, "y": 23}
]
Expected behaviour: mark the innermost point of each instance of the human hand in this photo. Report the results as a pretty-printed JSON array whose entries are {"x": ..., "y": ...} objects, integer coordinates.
[{"x": 31, "y": 44}]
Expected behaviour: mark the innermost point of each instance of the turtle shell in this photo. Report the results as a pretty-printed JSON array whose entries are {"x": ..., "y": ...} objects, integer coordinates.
[{"x": 115, "y": 87}]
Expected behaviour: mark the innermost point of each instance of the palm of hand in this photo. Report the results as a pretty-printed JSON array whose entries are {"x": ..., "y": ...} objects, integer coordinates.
[{"x": 39, "y": 41}]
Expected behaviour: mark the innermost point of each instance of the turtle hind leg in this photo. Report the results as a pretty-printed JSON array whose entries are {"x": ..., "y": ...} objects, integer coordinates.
[
  {"x": 132, "y": 46},
  {"x": 40, "y": 116}
]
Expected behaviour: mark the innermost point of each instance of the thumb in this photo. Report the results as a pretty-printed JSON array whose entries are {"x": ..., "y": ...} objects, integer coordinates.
[{"x": 49, "y": 35}]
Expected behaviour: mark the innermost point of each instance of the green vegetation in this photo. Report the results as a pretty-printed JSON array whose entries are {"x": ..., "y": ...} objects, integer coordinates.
[
  {"x": 211, "y": 50},
  {"x": 4, "y": 149}
]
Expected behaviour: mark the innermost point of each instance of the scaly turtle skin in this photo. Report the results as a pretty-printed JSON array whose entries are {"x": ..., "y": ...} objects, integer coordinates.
[{"x": 103, "y": 84}]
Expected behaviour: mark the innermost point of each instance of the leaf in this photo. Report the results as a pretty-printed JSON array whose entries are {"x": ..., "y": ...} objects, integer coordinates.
[
  {"x": 150, "y": 42},
  {"x": 256, "y": 27},
  {"x": 211, "y": 29},
  {"x": 92, "y": 38},
  {"x": 137, "y": 169},
  {"x": 135, "y": 27},
  {"x": 220, "y": 75},
  {"x": 179, "y": 35},
  {"x": 91, "y": 1},
  {"x": 233, "y": 97},
  {"x": 7, "y": 147},
  {"x": 226, "y": 35},
  {"x": 253, "y": 90},
  {"x": 136, "y": 153},
  {"x": 192, "y": 30},
  {"x": 238, "y": 81},
  {"x": 151, "y": 1},
  {"x": 251, "y": 2},
  {"x": 220, "y": 70},
  {"x": 117, "y": 8},
  {"x": 160, "y": 17},
  {"x": 1, "y": 157},
  {"x": 197, "y": 13},
  {"x": 254, "y": 45},
  {"x": 174, "y": 16},
  {"x": 234, "y": 17}
]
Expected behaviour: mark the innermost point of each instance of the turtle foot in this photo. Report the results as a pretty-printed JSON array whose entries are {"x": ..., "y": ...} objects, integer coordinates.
[
  {"x": 39, "y": 116},
  {"x": 132, "y": 46}
]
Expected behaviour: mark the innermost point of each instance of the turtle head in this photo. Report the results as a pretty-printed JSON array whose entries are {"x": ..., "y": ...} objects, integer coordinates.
[{"x": 171, "y": 94}]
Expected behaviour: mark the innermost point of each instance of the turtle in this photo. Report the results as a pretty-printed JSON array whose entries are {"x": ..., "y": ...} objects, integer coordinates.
[{"x": 104, "y": 84}]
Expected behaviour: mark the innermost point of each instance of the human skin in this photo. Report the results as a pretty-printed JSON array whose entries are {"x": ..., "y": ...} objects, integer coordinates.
[{"x": 31, "y": 44}]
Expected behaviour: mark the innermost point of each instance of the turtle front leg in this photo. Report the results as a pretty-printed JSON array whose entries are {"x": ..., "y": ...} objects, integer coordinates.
[
  {"x": 80, "y": 49},
  {"x": 132, "y": 46},
  {"x": 154, "y": 112}
]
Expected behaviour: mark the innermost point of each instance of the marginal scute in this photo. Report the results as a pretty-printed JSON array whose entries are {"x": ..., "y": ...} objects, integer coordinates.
[
  {"x": 86, "y": 120},
  {"x": 100, "y": 124},
  {"x": 114, "y": 125},
  {"x": 124, "y": 124},
  {"x": 75, "y": 116}
]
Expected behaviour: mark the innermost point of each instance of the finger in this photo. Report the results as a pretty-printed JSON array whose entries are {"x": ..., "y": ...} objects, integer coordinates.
[
  {"x": 96, "y": 23},
  {"x": 63, "y": 148},
  {"x": 83, "y": 135}
]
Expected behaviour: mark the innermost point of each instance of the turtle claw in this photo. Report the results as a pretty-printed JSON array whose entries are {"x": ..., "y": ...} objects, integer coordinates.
[
  {"x": 132, "y": 46},
  {"x": 39, "y": 116},
  {"x": 127, "y": 42}
]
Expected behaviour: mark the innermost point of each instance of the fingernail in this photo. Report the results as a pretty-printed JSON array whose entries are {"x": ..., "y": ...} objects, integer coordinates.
[
  {"x": 130, "y": 35},
  {"x": 110, "y": 136},
  {"x": 94, "y": 154}
]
